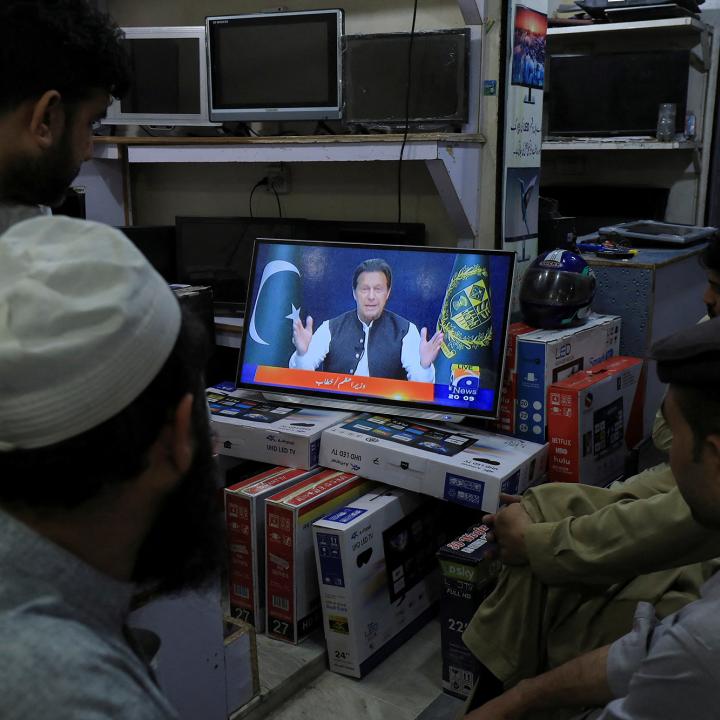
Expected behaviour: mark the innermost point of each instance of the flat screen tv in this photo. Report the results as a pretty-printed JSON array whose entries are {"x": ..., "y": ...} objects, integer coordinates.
[
  {"x": 275, "y": 66},
  {"x": 169, "y": 78},
  {"x": 411, "y": 330},
  {"x": 615, "y": 93},
  {"x": 375, "y": 71},
  {"x": 528, "y": 52}
]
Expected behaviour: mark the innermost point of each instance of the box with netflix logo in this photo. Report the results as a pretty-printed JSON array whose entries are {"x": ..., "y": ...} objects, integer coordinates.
[
  {"x": 596, "y": 417},
  {"x": 292, "y": 592},
  {"x": 545, "y": 357},
  {"x": 255, "y": 429},
  {"x": 245, "y": 523}
]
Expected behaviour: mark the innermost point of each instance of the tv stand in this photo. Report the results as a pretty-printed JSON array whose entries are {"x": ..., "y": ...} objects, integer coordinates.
[{"x": 529, "y": 100}]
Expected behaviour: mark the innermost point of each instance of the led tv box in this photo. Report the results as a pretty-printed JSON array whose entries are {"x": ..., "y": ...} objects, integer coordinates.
[
  {"x": 595, "y": 419},
  {"x": 415, "y": 329},
  {"x": 468, "y": 577},
  {"x": 466, "y": 468},
  {"x": 548, "y": 356},
  {"x": 292, "y": 592},
  {"x": 245, "y": 526},
  {"x": 253, "y": 429},
  {"x": 378, "y": 576}
]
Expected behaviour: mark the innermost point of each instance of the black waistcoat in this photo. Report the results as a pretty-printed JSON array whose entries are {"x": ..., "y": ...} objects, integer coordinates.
[{"x": 347, "y": 342}]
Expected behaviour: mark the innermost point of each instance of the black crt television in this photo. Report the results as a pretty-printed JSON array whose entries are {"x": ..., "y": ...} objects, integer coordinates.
[
  {"x": 458, "y": 297},
  {"x": 157, "y": 244},
  {"x": 615, "y": 93},
  {"x": 275, "y": 66},
  {"x": 217, "y": 251},
  {"x": 528, "y": 51},
  {"x": 375, "y": 72}
]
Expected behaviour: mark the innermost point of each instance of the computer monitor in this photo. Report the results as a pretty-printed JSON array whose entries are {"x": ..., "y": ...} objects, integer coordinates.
[
  {"x": 157, "y": 244},
  {"x": 615, "y": 93},
  {"x": 411, "y": 331},
  {"x": 375, "y": 70},
  {"x": 528, "y": 52},
  {"x": 169, "y": 85},
  {"x": 217, "y": 251},
  {"x": 275, "y": 66}
]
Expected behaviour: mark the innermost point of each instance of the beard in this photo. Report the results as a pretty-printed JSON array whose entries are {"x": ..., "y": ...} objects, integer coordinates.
[
  {"x": 44, "y": 180},
  {"x": 710, "y": 311},
  {"x": 184, "y": 548}
]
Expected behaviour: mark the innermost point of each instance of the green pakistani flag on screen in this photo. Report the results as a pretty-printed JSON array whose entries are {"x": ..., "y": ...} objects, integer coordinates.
[
  {"x": 466, "y": 323},
  {"x": 269, "y": 337}
]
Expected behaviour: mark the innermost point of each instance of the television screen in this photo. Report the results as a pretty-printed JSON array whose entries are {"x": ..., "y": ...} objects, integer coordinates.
[
  {"x": 615, "y": 93},
  {"x": 275, "y": 66},
  {"x": 528, "y": 53},
  {"x": 169, "y": 84},
  {"x": 413, "y": 328},
  {"x": 375, "y": 70}
]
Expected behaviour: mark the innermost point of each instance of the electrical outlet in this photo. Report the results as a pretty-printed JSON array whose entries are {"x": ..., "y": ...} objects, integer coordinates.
[{"x": 278, "y": 179}]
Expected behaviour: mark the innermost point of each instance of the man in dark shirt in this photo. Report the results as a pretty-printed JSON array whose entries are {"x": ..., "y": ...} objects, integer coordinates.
[{"x": 62, "y": 61}]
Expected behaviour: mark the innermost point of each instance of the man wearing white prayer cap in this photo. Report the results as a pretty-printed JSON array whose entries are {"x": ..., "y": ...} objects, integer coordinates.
[{"x": 107, "y": 481}]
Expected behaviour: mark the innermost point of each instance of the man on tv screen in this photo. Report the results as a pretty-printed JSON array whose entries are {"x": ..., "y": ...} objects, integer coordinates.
[{"x": 368, "y": 340}]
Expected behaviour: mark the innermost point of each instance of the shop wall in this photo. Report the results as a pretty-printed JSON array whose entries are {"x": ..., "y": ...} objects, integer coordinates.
[{"x": 352, "y": 191}]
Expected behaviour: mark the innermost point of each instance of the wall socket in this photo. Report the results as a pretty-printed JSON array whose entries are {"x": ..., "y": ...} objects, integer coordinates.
[{"x": 278, "y": 176}]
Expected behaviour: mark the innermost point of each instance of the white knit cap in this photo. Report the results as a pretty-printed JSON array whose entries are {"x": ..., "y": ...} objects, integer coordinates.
[{"x": 85, "y": 325}]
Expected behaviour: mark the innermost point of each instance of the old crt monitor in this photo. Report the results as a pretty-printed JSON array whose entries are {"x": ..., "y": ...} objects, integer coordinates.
[
  {"x": 375, "y": 70},
  {"x": 417, "y": 331},
  {"x": 169, "y": 78},
  {"x": 528, "y": 53},
  {"x": 275, "y": 66}
]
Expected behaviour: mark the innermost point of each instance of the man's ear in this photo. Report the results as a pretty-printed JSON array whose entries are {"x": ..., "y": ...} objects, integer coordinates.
[
  {"x": 179, "y": 440},
  {"x": 47, "y": 119},
  {"x": 712, "y": 446}
]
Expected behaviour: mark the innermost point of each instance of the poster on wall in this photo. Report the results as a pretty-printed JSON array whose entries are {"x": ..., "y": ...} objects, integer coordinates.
[{"x": 527, "y": 28}]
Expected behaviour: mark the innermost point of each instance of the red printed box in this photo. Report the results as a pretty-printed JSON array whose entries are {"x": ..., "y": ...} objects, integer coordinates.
[
  {"x": 292, "y": 591},
  {"x": 594, "y": 418},
  {"x": 245, "y": 521}
]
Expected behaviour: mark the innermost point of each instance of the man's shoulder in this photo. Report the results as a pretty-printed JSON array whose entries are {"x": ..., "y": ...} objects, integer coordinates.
[
  {"x": 49, "y": 662},
  {"x": 398, "y": 320}
]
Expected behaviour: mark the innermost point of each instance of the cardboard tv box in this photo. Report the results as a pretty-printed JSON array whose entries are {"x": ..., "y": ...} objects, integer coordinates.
[
  {"x": 468, "y": 468},
  {"x": 378, "y": 575},
  {"x": 292, "y": 593},
  {"x": 596, "y": 417},
  {"x": 548, "y": 356},
  {"x": 505, "y": 422},
  {"x": 247, "y": 427},
  {"x": 467, "y": 579},
  {"x": 245, "y": 524}
]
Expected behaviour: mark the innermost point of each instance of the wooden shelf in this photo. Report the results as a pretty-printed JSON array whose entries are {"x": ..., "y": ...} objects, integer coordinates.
[
  {"x": 677, "y": 26},
  {"x": 616, "y": 144},
  {"x": 320, "y": 148}
]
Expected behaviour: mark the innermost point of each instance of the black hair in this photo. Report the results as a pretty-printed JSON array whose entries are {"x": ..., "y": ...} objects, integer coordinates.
[
  {"x": 701, "y": 409},
  {"x": 710, "y": 257},
  {"x": 63, "y": 45},
  {"x": 373, "y": 265},
  {"x": 76, "y": 470}
]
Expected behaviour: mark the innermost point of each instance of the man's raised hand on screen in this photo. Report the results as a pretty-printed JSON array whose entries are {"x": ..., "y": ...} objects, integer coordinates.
[
  {"x": 302, "y": 335},
  {"x": 429, "y": 349}
]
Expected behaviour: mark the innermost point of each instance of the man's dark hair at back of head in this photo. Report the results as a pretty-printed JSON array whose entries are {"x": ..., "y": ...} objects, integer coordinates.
[
  {"x": 78, "y": 469},
  {"x": 63, "y": 45}
]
